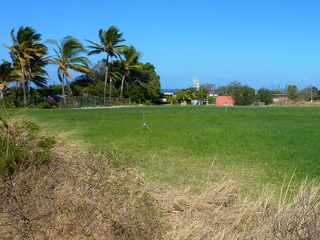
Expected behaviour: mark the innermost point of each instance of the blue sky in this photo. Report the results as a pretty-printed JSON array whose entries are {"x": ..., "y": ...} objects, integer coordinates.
[{"x": 260, "y": 43}]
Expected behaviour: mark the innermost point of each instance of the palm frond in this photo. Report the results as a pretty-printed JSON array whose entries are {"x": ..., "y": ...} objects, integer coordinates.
[
  {"x": 71, "y": 47},
  {"x": 110, "y": 43},
  {"x": 80, "y": 68},
  {"x": 82, "y": 60},
  {"x": 28, "y": 54}
]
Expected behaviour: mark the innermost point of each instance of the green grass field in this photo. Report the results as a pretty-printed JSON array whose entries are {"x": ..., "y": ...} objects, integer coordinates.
[{"x": 190, "y": 145}]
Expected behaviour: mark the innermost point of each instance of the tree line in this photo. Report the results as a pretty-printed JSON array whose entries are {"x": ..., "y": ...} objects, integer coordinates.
[
  {"x": 120, "y": 73},
  {"x": 245, "y": 95}
]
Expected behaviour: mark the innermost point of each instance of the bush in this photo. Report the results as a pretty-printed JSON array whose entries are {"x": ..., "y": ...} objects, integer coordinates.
[
  {"x": 45, "y": 105},
  {"x": 9, "y": 102},
  {"x": 21, "y": 146},
  {"x": 212, "y": 100},
  {"x": 243, "y": 95},
  {"x": 265, "y": 96}
]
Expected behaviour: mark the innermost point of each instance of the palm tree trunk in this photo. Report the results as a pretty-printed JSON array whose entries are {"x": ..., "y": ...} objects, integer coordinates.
[
  {"x": 68, "y": 82},
  {"x": 69, "y": 93},
  {"x": 110, "y": 90},
  {"x": 63, "y": 93},
  {"x": 29, "y": 89},
  {"x": 24, "y": 93},
  {"x": 105, "y": 85},
  {"x": 105, "y": 81},
  {"x": 122, "y": 83}
]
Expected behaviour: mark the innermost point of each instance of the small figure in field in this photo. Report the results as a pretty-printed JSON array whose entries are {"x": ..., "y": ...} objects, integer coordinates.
[{"x": 144, "y": 123}]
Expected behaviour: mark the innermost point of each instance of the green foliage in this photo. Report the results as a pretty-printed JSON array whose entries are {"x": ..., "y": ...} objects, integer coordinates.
[
  {"x": 29, "y": 59},
  {"x": 202, "y": 94},
  {"x": 172, "y": 99},
  {"x": 243, "y": 95},
  {"x": 129, "y": 62},
  {"x": 121, "y": 71},
  {"x": 292, "y": 92},
  {"x": 143, "y": 84},
  {"x": 68, "y": 57},
  {"x": 264, "y": 95},
  {"x": 212, "y": 100},
  {"x": 22, "y": 146},
  {"x": 45, "y": 105},
  {"x": 6, "y": 71},
  {"x": 186, "y": 95},
  {"x": 137, "y": 93},
  {"x": 110, "y": 44},
  {"x": 9, "y": 101}
]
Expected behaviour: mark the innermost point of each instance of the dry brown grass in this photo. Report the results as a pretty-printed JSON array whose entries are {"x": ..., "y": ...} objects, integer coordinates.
[
  {"x": 77, "y": 196},
  {"x": 220, "y": 213}
]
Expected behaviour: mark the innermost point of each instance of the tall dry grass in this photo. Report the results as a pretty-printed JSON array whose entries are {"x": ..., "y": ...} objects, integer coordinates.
[{"x": 220, "y": 213}]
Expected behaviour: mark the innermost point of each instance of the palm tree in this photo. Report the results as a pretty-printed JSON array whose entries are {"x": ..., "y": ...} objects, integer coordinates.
[
  {"x": 130, "y": 62},
  {"x": 5, "y": 75},
  {"x": 110, "y": 44},
  {"x": 68, "y": 57},
  {"x": 28, "y": 56}
]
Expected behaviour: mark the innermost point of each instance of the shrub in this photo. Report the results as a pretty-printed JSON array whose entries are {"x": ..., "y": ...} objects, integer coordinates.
[
  {"x": 22, "y": 145},
  {"x": 243, "y": 95},
  {"x": 212, "y": 100},
  {"x": 265, "y": 96},
  {"x": 45, "y": 105}
]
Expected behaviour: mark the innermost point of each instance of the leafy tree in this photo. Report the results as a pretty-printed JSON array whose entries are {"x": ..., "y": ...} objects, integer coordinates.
[
  {"x": 201, "y": 94},
  {"x": 110, "y": 44},
  {"x": 6, "y": 75},
  {"x": 137, "y": 93},
  {"x": 264, "y": 95},
  {"x": 49, "y": 90},
  {"x": 29, "y": 58},
  {"x": 242, "y": 94},
  {"x": 292, "y": 92},
  {"x": 188, "y": 94},
  {"x": 211, "y": 100},
  {"x": 146, "y": 77},
  {"x": 142, "y": 77},
  {"x": 185, "y": 95},
  {"x": 68, "y": 57}
]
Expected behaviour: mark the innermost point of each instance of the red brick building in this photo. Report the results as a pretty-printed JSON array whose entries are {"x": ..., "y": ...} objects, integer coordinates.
[{"x": 222, "y": 101}]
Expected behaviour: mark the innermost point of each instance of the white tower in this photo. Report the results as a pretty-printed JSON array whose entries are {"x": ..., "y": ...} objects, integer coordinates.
[{"x": 196, "y": 84}]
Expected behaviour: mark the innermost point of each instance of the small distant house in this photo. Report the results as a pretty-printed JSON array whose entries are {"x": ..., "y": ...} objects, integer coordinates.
[
  {"x": 223, "y": 101},
  {"x": 166, "y": 95}
]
